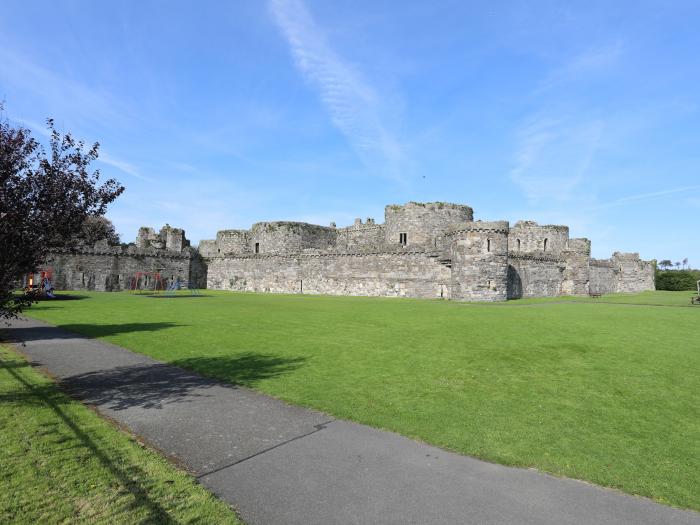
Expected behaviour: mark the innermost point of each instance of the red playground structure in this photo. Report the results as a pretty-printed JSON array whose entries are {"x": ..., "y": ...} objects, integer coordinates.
[
  {"x": 151, "y": 282},
  {"x": 40, "y": 283}
]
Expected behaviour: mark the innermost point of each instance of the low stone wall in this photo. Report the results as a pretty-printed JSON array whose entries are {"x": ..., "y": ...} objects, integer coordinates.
[{"x": 400, "y": 274}]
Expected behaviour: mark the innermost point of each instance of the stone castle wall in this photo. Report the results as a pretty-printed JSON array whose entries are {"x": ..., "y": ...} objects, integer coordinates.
[
  {"x": 109, "y": 268},
  {"x": 399, "y": 274},
  {"x": 426, "y": 250}
]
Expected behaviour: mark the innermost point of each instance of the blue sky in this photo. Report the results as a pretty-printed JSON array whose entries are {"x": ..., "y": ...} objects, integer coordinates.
[{"x": 219, "y": 114}]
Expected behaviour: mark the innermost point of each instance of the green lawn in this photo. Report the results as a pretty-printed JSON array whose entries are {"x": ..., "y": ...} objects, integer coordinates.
[
  {"x": 584, "y": 388},
  {"x": 61, "y": 463}
]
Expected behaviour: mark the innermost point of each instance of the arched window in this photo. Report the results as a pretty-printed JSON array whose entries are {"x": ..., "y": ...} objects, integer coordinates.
[
  {"x": 518, "y": 245},
  {"x": 544, "y": 245},
  {"x": 488, "y": 245}
]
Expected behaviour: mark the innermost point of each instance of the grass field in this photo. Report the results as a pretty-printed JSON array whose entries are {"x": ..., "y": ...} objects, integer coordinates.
[
  {"x": 61, "y": 463},
  {"x": 605, "y": 390}
]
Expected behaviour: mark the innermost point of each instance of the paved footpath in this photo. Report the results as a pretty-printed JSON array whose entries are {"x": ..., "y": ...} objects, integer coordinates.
[{"x": 280, "y": 464}]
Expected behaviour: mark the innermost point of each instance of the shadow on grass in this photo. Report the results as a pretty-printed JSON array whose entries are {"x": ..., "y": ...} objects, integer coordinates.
[
  {"x": 71, "y": 331},
  {"x": 127, "y": 476},
  {"x": 153, "y": 386},
  {"x": 59, "y": 297},
  {"x": 190, "y": 296}
]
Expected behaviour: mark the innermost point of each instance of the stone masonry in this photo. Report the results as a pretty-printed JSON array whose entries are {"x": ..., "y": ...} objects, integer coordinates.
[{"x": 426, "y": 250}]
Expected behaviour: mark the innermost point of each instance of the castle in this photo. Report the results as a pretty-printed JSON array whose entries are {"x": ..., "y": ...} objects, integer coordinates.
[{"x": 426, "y": 250}]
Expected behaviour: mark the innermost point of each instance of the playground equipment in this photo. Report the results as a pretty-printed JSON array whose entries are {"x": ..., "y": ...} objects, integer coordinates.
[
  {"x": 147, "y": 282},
  {"x": 696, "y": 298},
  {"x": 178, "y": 284},
  {"x": 40, "y": 284}
]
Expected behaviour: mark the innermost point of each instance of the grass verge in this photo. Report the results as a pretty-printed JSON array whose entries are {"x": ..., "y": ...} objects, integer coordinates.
[{"x": 61, "y": 463}]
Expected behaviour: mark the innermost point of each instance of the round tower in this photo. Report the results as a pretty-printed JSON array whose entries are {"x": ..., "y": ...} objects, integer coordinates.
[
  {"x": 479, "y": 252},
  {"x": 419, "y": 224}
]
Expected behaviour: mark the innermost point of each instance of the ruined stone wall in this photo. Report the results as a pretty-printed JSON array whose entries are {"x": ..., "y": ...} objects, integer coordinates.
[
  {"x": 360, "y": 237},
  {"x": 577, "y": 267},
  {"x": 634, "y": 274},
  {"x": 603, "y": 278},
  {"x": 229, "y": 241},
  {"x": 208, "y": 248},
  {"x": 528, "y": 236},
  {"x": 111, "y": 269},
  {"x": 535, "y": 275},
  {"x": 422, "y": 223},
  {"x": 399, "y": 274}
]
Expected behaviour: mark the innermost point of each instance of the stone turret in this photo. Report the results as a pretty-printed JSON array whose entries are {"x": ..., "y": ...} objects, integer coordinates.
[
  {"x": 479, "y": 253},
  {"x": 418, "y": 225}
]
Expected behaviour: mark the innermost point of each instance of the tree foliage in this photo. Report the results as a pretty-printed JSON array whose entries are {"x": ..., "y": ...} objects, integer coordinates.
[
  {"x": 97, "y": 228},
  {"x": 45, "y": 198}
]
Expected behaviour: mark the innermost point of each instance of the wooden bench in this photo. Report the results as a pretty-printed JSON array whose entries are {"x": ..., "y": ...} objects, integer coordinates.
[{"x": 595, "y": 295}]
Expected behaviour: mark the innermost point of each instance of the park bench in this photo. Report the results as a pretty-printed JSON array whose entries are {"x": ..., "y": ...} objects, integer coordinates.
[{"x": 595, "y": 295}]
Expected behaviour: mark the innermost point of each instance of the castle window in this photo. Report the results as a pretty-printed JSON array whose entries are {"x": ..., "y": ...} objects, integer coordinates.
[
  {"x": 544, "y": 245},
  {"x": 518, "y": 244},
  {"x": 403, "y": 239},
  {"x": 257, "y": 247},
  {"x": 488, "y": 245}
]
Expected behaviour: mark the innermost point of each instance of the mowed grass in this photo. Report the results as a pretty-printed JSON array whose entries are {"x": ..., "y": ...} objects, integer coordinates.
[
  {"x": 584, "y": 388},
  {"x": 61, "y": 463}
]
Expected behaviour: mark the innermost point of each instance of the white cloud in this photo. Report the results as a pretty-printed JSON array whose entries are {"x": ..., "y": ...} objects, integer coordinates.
[
  {"x": 80, "y": 101},
  {"x": 588, "y": 63},
  {"x": 622, "y": 201},
  {"x": 122, "y": 165},
  {"x": 104, "y": 157},
  {"x": 553, "y": 156},
  {"x": 353, "y": 104}
]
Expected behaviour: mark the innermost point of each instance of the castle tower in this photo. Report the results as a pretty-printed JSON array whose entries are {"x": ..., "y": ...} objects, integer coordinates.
[
  {"x": 418, "y": 225},
  {"x": 479, "y": 252}
]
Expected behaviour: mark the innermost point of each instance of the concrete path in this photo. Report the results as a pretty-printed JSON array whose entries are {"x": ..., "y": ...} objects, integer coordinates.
[{"x": 280, "y": 464}]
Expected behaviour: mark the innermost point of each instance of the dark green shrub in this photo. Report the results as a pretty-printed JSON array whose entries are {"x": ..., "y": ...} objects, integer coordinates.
[{"x": 677, "y": 279}]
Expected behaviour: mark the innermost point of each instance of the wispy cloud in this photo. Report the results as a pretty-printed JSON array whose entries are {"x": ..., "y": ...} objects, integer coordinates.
[
  {"x": 122, "y": 165},
  {"x": 353, "y": 104},
  {"x": 553, "y": 156},
  {"x": 585, "y": 64},
  {"x": 105, "y": 158},
  {"x": 622, "y": 201},
  {"x": 80, "y": 101}
]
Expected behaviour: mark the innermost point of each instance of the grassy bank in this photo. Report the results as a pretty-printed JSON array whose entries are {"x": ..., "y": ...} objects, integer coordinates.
[
  {"x": 605, "y": 390},
  {"x": 61, "y": 463}
]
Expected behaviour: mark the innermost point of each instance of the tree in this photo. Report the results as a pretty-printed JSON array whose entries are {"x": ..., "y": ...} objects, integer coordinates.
[
  {"x": 45, "y": 198},
  {"x": 678, "y": 265},
  {"x": 97, "y": 228},
  {"x": 665, "y": 264},
  {"x": 685, "y": 262}
]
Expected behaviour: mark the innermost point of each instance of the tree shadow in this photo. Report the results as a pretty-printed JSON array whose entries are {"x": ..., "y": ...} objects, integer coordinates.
[
  {"x": 76, "y": 331},
  {"x": 153, "y": 386},
  {"x": 58, "y": 298},
  {"x": 128, "y": 475},
  {"x": 189, "y": 296}
]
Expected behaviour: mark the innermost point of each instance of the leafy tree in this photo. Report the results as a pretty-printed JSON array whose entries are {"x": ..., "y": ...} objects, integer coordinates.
[
  {"x": 685, "y": 262},
  {"x": 665, "y": 264},
  {"x": 97, "y": 228},
  {"x": 45, "y": 198},
  {"x": 678, "y": 265}
]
